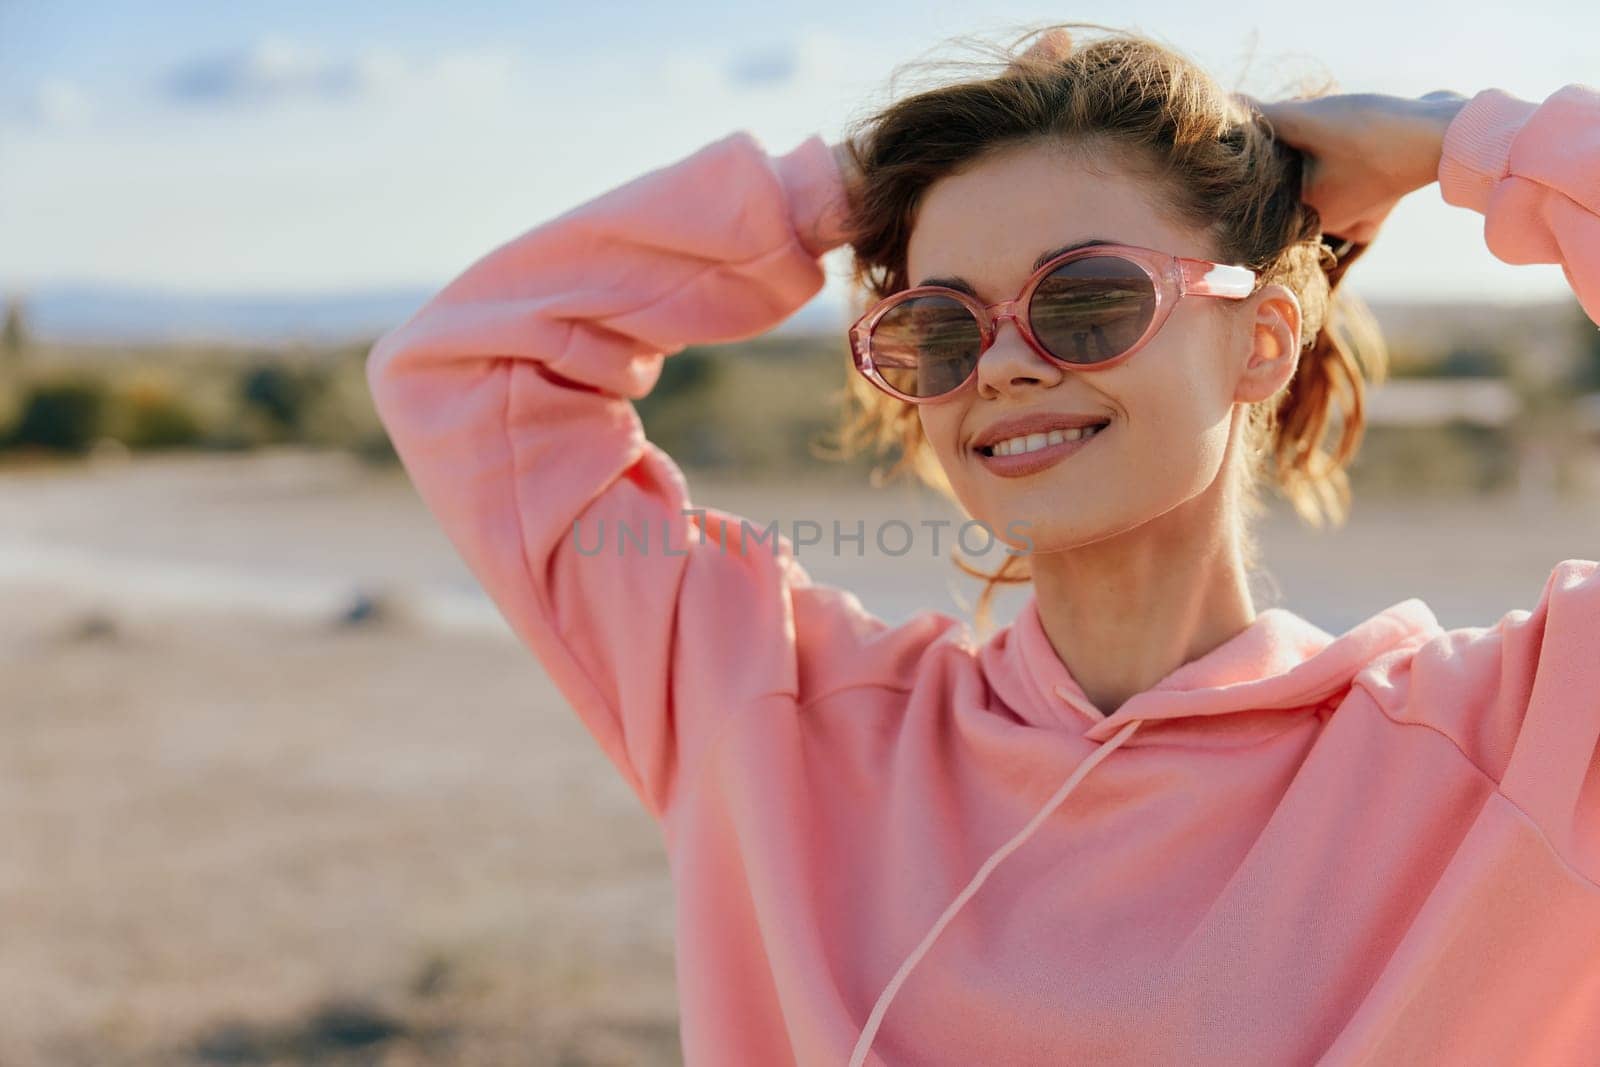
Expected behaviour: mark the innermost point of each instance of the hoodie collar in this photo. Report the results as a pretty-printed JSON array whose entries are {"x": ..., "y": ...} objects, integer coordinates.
[{"x": 1279, "y": 660}]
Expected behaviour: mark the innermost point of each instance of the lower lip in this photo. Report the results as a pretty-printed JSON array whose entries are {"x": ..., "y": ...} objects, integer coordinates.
[{"x": 1032, "y": 462}]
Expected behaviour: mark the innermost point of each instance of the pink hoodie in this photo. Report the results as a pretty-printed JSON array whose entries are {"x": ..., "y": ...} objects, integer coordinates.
[{"x": 892, "y": 845}]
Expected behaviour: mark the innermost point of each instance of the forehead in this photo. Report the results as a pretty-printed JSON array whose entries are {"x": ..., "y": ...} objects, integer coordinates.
[{"x": 989, "y": 222}]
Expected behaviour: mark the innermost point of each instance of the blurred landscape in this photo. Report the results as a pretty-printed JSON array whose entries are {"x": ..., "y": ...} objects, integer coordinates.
[{"x": 283, "y": 787}]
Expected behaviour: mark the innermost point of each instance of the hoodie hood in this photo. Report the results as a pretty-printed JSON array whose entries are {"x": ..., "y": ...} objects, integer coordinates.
[{"x": 1279, "y": 661}]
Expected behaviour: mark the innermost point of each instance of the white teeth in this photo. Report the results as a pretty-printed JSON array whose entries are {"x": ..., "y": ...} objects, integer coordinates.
[{"x": 1016, "y": 446}]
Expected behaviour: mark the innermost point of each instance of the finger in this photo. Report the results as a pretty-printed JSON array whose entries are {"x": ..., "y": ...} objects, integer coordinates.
[
  {"x": 1279, "y": 109},
  {"x": 1281, "y": 114},
  {"x": 1053, "y": 44},
  {"x": 1255, "y": 103}
]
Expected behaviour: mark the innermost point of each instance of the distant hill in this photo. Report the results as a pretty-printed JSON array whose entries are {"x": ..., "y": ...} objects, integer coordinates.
[
  {"x": 92, "y": 312},
  {"x": 1423, "y": 324},
  {"x": 99, "y": 313}
]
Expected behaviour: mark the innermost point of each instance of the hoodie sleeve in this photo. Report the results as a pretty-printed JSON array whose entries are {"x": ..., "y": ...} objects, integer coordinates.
[
  {"x": 1519, "y": 699},
  {"x": 1533, "y": 172},
  {"x": 1523, "y": 696},
  {"x": 508, "y": 397},
  {"x": 1548, "y": 663}
]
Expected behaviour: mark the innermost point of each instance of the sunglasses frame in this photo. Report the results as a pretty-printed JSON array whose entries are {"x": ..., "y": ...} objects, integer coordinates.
[{"x": 1171, "y": 278}]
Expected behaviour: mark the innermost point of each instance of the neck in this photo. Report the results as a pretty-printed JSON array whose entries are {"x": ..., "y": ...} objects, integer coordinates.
[{"x": 1126, "y": 611}]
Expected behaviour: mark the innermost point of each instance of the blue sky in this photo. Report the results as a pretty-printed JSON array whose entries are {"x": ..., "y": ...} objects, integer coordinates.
[{"x": 299, "y": 147}]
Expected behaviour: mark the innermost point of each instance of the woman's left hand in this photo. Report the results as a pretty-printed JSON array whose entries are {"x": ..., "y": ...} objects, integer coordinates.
[{"x": 1364, "y": 151}]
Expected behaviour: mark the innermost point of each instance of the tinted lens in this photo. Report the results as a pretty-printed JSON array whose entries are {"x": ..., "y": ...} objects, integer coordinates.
[
  {"x": 1092, "y": 309},
  {"x": 926, "y": 346}
]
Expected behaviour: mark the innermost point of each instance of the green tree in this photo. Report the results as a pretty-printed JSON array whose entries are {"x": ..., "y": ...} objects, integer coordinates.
[
  {"x": 14, "y": 333},
  {"x": 278, "y": 395},
  {"x": 1586, "y": 335},
  {"x": 64, "y": 415}
]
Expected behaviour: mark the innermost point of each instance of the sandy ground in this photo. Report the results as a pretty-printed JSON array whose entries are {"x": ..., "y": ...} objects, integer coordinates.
[
  {"x": 239, "y": 829},
  {"x": 222, "y": 828}
]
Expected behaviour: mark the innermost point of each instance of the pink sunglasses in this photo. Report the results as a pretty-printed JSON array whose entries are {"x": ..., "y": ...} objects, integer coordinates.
[{"x": 1087, "y": 309}]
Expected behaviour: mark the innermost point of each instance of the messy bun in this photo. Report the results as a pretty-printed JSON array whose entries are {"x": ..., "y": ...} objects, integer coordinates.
[{"x": 1216, "y": 159}]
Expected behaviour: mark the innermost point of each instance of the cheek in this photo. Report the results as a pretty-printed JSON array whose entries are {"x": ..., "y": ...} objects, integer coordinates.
[
  {"x": 1182, "y": 386},
  {"x": 941, "y": 429},
  {"x": 1177, "y": 421}
]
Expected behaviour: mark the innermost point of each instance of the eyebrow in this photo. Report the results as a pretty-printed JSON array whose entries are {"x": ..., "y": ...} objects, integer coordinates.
[{"x": 955, "y": 281}]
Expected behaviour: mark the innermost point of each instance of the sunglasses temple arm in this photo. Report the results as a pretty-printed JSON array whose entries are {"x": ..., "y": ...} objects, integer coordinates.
[{"x": 1215, "y": 279}]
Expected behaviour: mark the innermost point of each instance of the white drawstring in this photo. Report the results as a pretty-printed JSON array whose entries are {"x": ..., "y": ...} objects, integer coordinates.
[{"x": 870, "y": 1031}]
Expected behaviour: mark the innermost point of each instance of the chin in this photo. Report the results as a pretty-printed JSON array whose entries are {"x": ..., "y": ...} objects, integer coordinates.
[{"x": 1033, "y": 531}]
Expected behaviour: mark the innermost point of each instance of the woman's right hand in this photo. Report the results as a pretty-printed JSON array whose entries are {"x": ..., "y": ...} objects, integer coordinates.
[{"x": 1365, "y": 151}]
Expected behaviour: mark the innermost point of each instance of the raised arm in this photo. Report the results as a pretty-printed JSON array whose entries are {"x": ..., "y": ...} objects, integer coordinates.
[
  {"x": 508, "y": 399},
  {"x": 1528, "y": 168},
  {"x": 1533, "y": 171},
  {"x": 1530, "y": 685}
]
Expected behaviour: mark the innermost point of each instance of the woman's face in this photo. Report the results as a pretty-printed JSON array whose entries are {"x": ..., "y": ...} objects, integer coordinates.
[{"x": 1172, "y": 405}]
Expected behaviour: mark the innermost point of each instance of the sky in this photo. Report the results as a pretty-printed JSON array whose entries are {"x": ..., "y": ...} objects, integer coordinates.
[{"x": 293, "y": 147}]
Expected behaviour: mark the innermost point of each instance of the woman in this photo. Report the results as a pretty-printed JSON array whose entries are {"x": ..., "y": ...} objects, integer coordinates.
[{"x": 1143, "y": 823}]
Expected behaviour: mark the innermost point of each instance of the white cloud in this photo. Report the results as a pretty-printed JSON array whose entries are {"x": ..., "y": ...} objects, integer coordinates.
[
  {"x": 56, "y": 102},
  {"x": 808, "y": 58},
  {"x": 275, "y": 69},
  {"x": 690, "y": 71}
]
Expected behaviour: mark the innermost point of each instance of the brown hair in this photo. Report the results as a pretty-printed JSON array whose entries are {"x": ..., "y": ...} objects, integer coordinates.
[{"x": 1221, "y": 169}]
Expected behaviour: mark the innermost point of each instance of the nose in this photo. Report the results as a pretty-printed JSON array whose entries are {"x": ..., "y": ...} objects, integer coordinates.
[{"x": 1011, "y": 361}]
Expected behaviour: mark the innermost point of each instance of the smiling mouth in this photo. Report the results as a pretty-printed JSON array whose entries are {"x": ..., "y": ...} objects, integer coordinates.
[{"x": 1038, "y": 442}]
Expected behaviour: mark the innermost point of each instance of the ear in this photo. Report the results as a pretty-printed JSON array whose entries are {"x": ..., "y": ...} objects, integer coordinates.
[{"x": 1274, "y": 343}]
